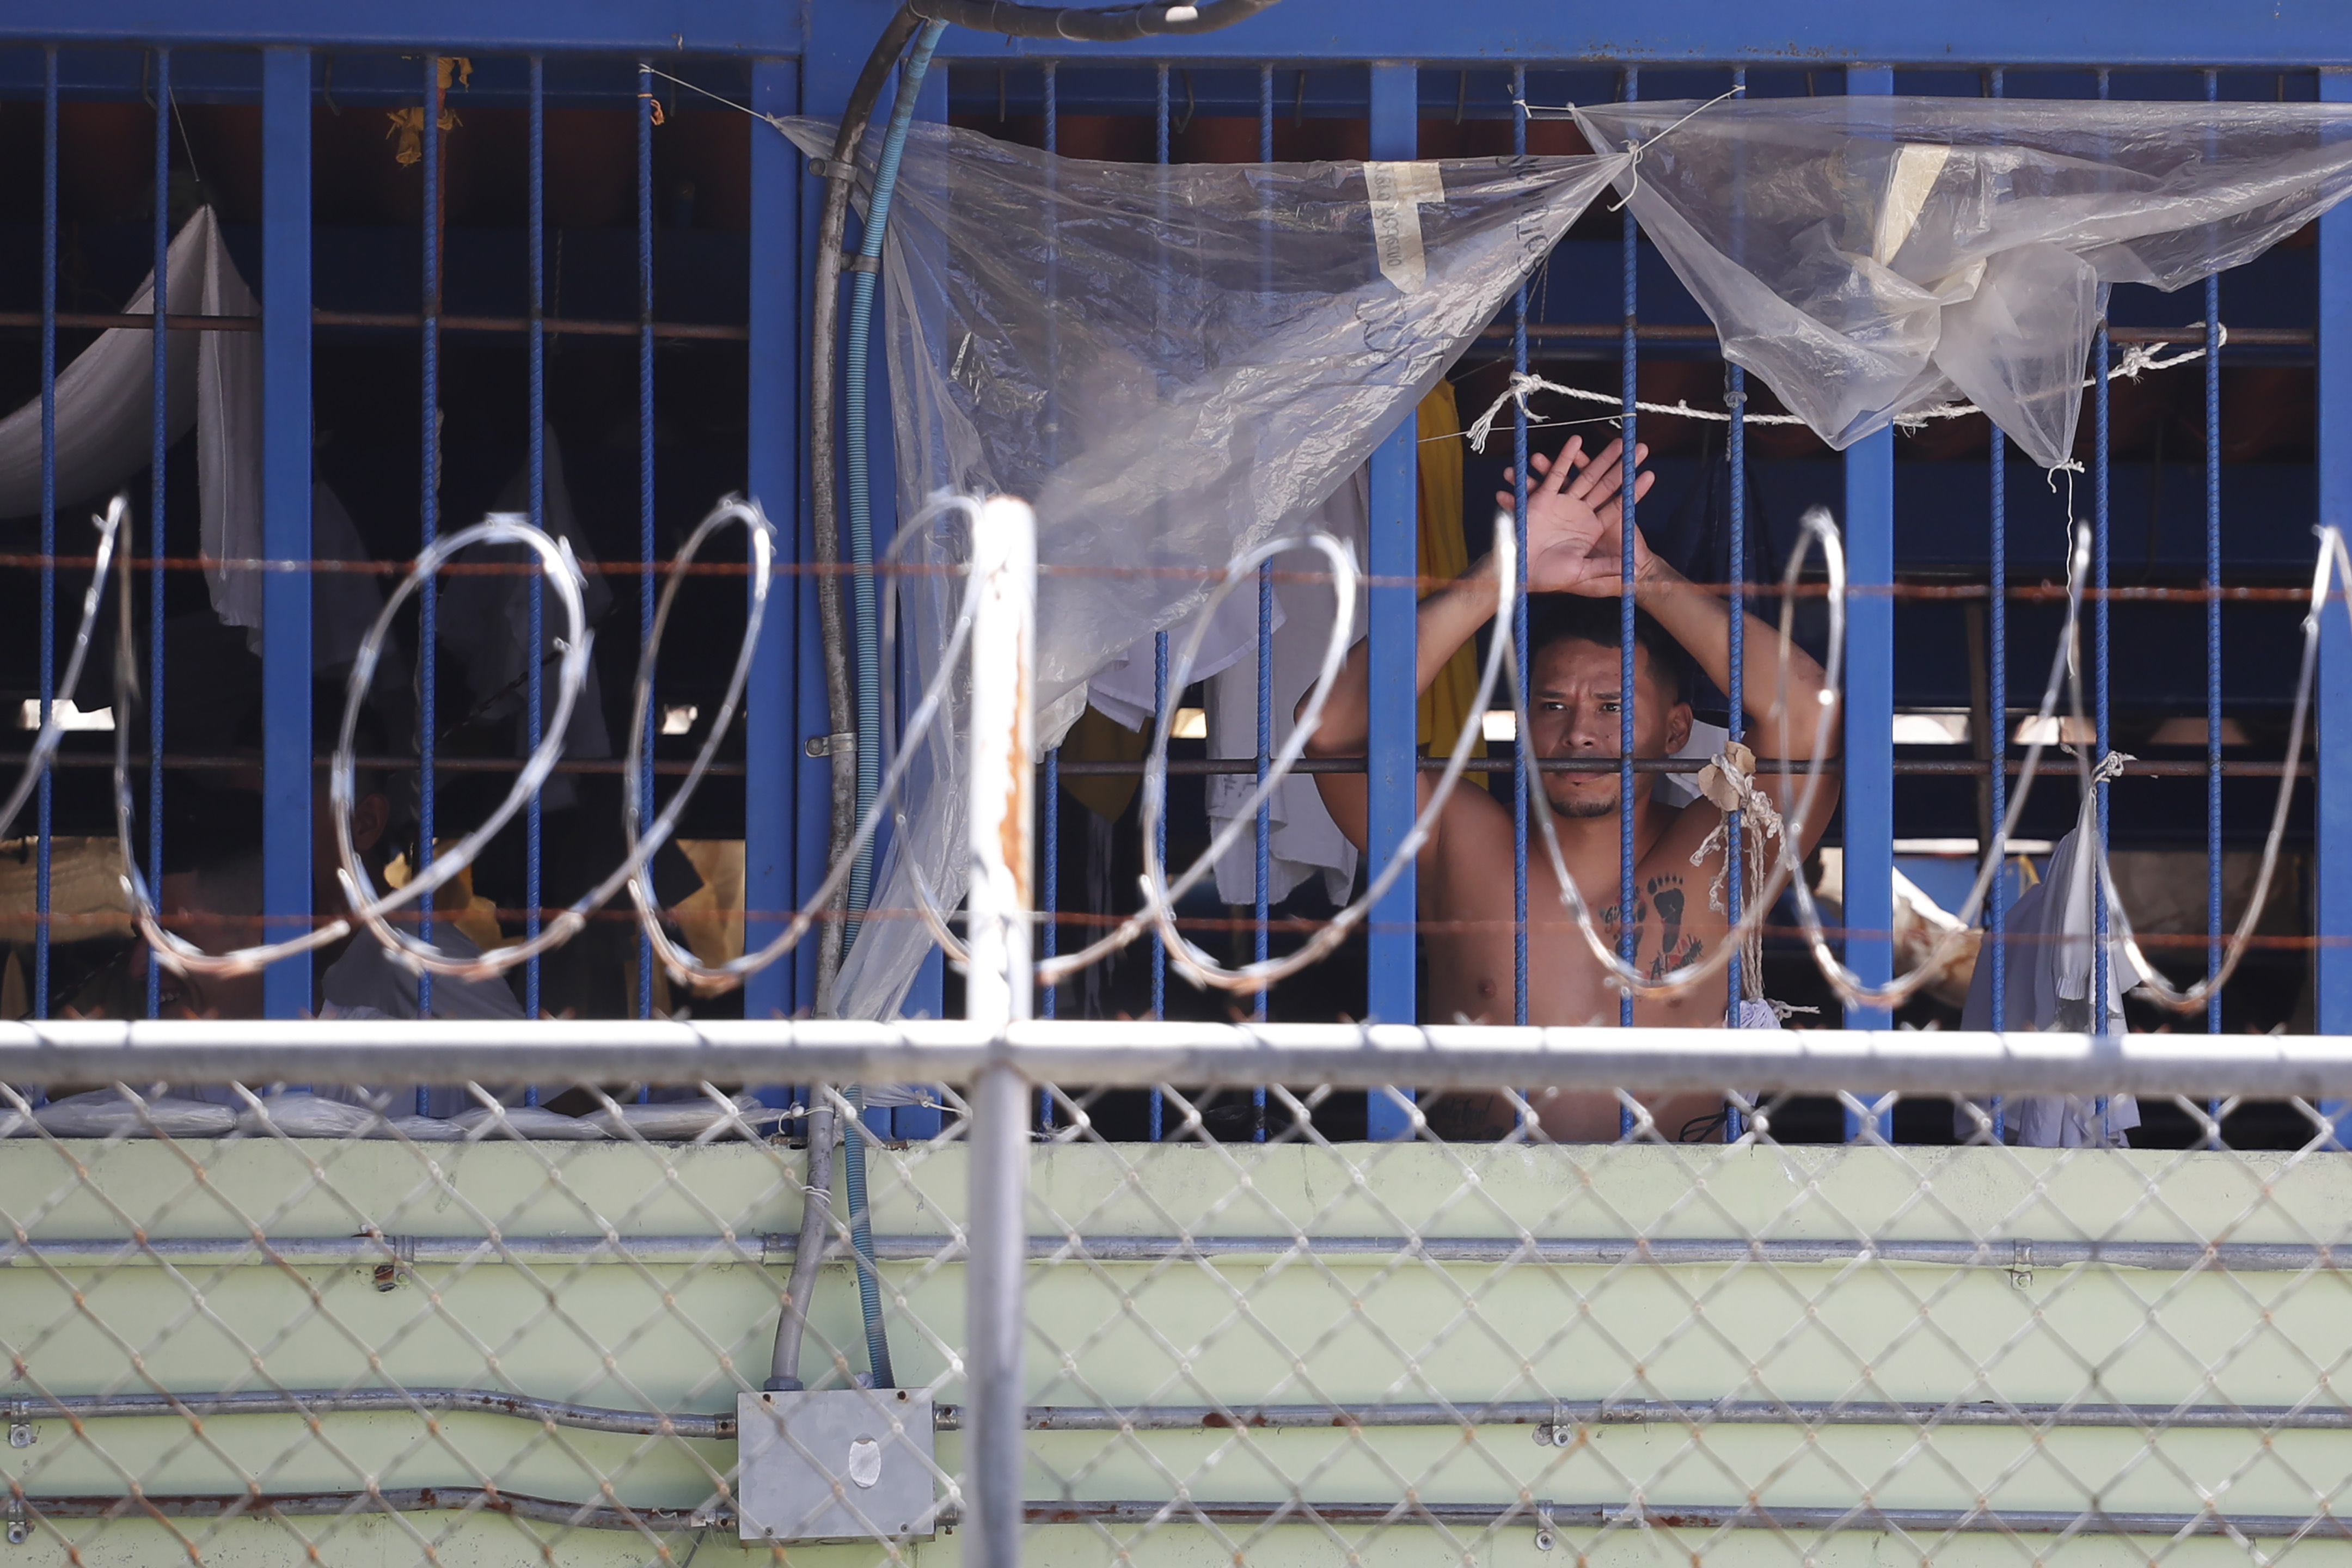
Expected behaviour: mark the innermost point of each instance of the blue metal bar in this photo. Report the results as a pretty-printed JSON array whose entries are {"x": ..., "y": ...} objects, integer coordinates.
[
  {"x": 1053, "y": 446},
  {"x": 1519, "y": 744},
  {"x": 1826, "y": 33},
  {"x": 2213, "y": 640},
  {"x": 1263, "y": 864},
  {"x": 1629, "y": 369},
  {"x": 160, "y": 436},
  {"x": 533, "y": 830},
  {"x": 287, "y": 783},
  {"x": 1395, "y": 566},
  {"x": 2100, "y": 496},
  {"x": 428, "y": 598},
  {"x": 770, "y": 734},
  {"x": 1160, "y": 641},
  {"x": 2332, "y": 959},
  {"x": 1996, "y": 915},
  {"x": 1735, "y": 456},
  {"x": 644, "y": 781},
  {"x": 533, "y": 821},
  {"x": 48, "y": 516},
  {"x": 1869, "y": 712}
]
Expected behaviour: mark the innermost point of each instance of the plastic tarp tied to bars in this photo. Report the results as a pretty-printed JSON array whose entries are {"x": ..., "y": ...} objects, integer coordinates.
[
  {"x": 1168, "y": 362},
  {"x": 1873, "y": 257}
]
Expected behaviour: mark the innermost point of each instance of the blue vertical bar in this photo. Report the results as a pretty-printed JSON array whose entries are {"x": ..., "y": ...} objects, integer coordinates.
[
  {"x": 1995, "y": 916},
  {"x": 773, "y": 476},
  {"x": 1629, "y": 366},
  {"x": 160, "y": 437},
  {"x": 645, "y": 781},
  {"x": 1519, "y": 753},
  {"x": 286, "y": 775},
  {"x": 2214, "y": 630},
  {"x": 428, "y": 598},
  {"x": 2099, "y": 499},
  {"x": 2332, "y": 959},
  {"x": 1160, "y": 640},
  {"x": 1735, "y": 456},
  {"x": 49, "y": 514},
  {"x": 1869, "y": 712},
  {"x": 1261, "y": 865},
  {"x": 1395, "y": 566},
  {"x": 533, "y": 823}
]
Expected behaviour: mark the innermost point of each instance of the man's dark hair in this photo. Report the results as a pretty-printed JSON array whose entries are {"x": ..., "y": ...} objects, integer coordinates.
[{"x": 1560, "y": 617}]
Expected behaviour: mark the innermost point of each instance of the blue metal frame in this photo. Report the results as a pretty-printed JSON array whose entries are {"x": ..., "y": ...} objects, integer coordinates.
[
  {"x": 804, "y": 59},
  {"x": 286, "y": 774},
  {"x": 1811, "y": 33},
  {"x": 1395, "y": 565},
  {"x": 2332, "y": 961}
]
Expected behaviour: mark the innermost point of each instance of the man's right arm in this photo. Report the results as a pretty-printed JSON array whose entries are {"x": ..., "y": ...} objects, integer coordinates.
[{"x": 1446, "y": 620}]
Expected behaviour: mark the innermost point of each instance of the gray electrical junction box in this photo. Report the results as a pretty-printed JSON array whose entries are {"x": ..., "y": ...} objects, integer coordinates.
[{"x": 847, "y": 1463}]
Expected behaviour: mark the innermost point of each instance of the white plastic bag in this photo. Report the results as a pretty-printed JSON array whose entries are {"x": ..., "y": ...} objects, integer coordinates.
[
  {"x": 1871, "y": 257},
  {"x": 108, "y": 1113},
  {"x": 1166, "y": 362}
]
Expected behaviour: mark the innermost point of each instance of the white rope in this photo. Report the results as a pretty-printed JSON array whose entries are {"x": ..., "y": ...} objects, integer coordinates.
[{"x": 2138, "y": 357}]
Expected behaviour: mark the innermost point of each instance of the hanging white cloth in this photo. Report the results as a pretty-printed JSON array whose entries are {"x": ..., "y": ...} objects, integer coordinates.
[
  {"x": 105, "y": 415},
  {"x": 2047, "y": 985}
]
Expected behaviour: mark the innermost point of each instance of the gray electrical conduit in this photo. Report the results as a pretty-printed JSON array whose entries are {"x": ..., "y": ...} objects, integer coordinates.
[
  {"x": 2018, "y": 1257},
  {"x": 1547, "y": 1416},
  {"x": 1544, "y": 1517},
  {"x": 808, "y": 1254}
]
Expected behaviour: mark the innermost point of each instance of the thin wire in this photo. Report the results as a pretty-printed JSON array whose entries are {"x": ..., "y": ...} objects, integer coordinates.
[{"x": 160, "y": 414}]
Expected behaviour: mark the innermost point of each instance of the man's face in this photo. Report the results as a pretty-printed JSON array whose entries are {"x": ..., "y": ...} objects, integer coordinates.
[{"x": 1574, "y": 709}]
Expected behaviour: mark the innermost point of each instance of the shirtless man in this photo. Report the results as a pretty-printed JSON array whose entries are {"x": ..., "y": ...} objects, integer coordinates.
[{"x": 1574, "y": 553}]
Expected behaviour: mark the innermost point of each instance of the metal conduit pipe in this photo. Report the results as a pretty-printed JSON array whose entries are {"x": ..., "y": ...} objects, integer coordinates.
[
  {"x": 808, "y": 1253},
  {"x": 825, "y": 494},
  {"x": 325, "y": 1401},
  {"x": 2014, "y": 1257},
  {"x": 1539, "y": 1517},
  {"x": 1546, "y": 1415}
]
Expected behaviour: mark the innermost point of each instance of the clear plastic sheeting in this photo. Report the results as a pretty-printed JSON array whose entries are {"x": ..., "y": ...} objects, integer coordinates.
[
  {"x": 1873, "y": 257},
  {"x": 1168, "y": 362}
]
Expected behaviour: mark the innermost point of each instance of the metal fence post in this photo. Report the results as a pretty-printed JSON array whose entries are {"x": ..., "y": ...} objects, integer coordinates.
[
  {"x": 997, "y": 992},
  {"x": 2332, "y": 962}
]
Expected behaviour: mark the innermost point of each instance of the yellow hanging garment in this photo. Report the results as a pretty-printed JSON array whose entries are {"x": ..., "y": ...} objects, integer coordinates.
[{"x": 1444, "y": 554}]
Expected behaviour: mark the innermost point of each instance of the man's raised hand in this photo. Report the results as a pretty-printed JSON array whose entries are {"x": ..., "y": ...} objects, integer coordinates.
[{"x": 1573, "y": 543}]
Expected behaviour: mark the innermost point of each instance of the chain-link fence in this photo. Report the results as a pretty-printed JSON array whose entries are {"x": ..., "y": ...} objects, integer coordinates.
[{"x": 266, "y": 1347}]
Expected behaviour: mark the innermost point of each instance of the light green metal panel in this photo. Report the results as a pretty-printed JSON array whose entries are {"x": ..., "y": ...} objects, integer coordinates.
[{"x": 685, "y": 1334}]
